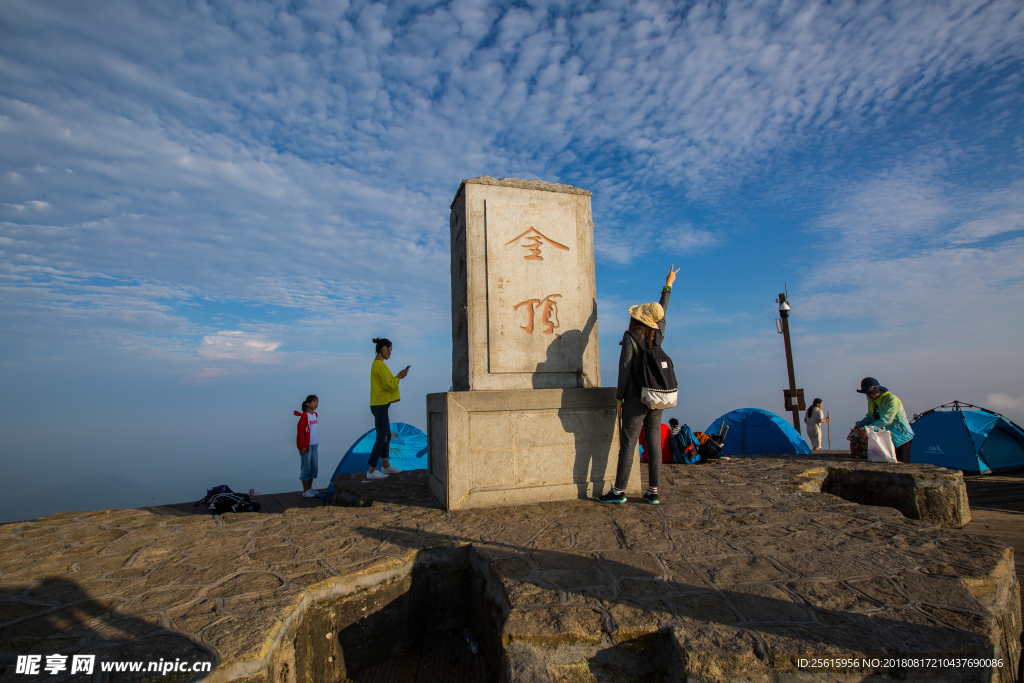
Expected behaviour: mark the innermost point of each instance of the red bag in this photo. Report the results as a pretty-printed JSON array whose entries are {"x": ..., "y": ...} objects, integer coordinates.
[{"x": 666, "y": 448}]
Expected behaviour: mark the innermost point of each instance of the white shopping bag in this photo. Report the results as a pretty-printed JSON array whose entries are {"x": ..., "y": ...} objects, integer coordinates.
[{"x": 880, "y": 448}]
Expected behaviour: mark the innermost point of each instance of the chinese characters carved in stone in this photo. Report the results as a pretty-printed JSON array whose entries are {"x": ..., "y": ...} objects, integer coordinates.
[
  {"x": 548, "y": 313},
  {"x": 532, "y": 244}
]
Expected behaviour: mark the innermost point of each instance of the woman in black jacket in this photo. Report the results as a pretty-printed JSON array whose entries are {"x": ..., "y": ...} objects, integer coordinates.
[{"x": 647, "y": 327}]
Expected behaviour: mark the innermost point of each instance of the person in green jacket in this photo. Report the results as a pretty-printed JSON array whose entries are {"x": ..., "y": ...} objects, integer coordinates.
[
  {"x": 383, "y": 392},
  {"x": 885, "y": 411}
]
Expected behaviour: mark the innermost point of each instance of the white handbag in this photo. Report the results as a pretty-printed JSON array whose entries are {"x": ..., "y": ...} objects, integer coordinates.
[
  {"x": 659, "y": 400},
  {"x": 880, "y": 447}
]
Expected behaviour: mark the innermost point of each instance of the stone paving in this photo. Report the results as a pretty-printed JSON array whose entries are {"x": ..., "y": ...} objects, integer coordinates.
[{"x": 742, "y": 572}]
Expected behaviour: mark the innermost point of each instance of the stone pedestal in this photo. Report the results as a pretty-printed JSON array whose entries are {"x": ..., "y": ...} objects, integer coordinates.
[{"x": 527, "y": 446}]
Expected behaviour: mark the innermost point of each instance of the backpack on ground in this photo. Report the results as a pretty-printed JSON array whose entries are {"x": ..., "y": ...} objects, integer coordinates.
[
  {"x": 710, "y": 446},
  {"x": 684, "y": 446},
  {"x": 231, "y": 502},
  {"x": 657, "y": 375},
  {"x": 210, "y": 493}
]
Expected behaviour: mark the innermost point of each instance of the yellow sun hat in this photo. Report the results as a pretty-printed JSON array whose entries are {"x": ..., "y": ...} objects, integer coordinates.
[{"x": 647, "y": 314}]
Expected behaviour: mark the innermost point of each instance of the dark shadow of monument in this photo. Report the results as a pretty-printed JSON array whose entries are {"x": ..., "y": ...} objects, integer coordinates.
[
  {"x": 56, "y": 616},
  {"x": 571, "y": 345},
  {"x": 568, "y": 345}
]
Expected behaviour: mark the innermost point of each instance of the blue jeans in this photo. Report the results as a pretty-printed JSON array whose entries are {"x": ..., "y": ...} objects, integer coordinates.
[
  {"x": 310, "y": 464},
  {"x": 382, "y": 444}
]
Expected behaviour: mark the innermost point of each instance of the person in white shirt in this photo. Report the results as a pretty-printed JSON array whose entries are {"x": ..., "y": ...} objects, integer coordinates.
[
  {"x": 814, "y": 418},
  {"x": 306, "y": 441}
]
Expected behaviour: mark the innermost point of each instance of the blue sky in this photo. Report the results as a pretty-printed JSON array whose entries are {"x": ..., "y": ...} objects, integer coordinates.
[{"x": 207, "y": 209}]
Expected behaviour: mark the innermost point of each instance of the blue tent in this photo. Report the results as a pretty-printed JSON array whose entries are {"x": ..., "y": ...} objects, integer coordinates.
[
  {"x": 752, "y": 430},
  {"x": 975, "y": 441},
  {"x": 408, "y": 451}
]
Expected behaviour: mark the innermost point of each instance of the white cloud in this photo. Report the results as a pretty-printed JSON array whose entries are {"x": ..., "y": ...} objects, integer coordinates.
[
  {"x": 1012, "y": 407},
  {"x": 236, "y": 345},
  {"x": 891, "y": 211},
  {"x": 623, "y": 246},
  {"x": 1000, "y": 212},
  {"x": 686, "y": 239},
  {"x": 903, "y": 250}
]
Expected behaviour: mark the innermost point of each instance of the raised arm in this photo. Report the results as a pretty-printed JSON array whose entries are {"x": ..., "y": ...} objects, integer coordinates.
[{"x": 666, "y": 292}]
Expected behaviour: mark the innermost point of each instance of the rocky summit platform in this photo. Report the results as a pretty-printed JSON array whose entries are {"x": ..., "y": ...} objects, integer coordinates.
[{"x": 745, "y": 572}]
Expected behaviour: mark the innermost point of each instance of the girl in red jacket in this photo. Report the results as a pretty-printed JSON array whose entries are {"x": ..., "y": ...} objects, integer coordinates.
[{"x": 306, "y": 442}]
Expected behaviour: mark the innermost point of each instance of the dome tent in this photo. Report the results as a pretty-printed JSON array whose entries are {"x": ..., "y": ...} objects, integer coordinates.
[
  {"x": 408, "y": 451},
  {"x": 754, "y": 431},
  {"x": 975, "y": 441}
]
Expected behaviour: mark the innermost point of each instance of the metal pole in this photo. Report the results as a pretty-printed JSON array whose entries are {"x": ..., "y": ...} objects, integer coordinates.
[{"x": 789, "y": 366}]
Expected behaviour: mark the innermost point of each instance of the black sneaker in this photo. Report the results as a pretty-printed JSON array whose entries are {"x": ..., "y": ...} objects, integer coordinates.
[
  {"x": 651, "y": 497},
  {"x": 612, "y": 497}
]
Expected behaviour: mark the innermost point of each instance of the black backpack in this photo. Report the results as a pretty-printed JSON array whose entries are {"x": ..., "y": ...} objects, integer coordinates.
[
  {"x": 657, "y": 376},
  {"x": 710, "y": 449},
  {"x": 232, "y": 502},
  {"x": 210, "y": 493}
]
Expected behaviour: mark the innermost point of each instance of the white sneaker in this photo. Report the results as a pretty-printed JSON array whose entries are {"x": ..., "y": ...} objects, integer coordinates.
[
  {"x": 376, "y": 474},
  {"x": 309, "y": 493},
  {"x": 390, "y": 470}
]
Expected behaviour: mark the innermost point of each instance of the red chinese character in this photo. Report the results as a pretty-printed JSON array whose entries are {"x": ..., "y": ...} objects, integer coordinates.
[
  {"x": 548, "y": 313},
  {"x": 533, "y": 243}
]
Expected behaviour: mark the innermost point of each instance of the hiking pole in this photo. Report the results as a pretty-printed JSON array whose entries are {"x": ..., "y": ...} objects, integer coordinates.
[{"x": 828, "y": 430}]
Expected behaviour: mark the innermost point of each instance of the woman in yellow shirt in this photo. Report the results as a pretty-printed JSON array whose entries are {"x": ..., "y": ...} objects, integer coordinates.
[{"x": 383, "y": 392}]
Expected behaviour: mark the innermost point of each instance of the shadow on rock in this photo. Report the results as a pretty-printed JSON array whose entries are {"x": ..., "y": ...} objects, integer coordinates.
[
  {"x": 56, "y": 619},
  {"x": 635, "y": 615}
]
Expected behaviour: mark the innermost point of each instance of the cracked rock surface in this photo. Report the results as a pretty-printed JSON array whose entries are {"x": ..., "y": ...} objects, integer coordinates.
[{"x": 745, "y": 569}]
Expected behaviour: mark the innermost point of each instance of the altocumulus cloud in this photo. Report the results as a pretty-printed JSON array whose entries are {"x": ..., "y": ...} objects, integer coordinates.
[{"x": 301, "y": 154}]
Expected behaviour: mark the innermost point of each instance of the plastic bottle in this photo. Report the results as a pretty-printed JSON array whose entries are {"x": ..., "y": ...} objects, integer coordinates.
[{"x": 471, "y": 641}]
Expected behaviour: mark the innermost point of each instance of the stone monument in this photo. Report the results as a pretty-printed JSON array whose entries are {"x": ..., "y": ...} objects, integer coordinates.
[{"x": 526, "y": 420}]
